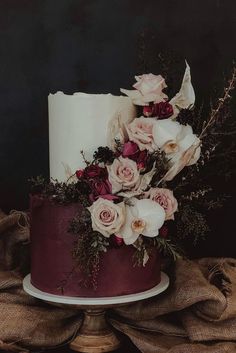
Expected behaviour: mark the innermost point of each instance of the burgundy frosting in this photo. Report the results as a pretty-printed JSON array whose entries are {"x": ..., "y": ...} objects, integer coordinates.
[{"x": 52, "y": 261}]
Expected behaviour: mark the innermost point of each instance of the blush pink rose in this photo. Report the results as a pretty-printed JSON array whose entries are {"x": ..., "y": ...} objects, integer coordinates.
[
  {"x": 140, "y": 131},
  {"x": 151, "y": 86},
  {"x": 148, "y": 88},
  {"x": 123, "y": 174},
  {"x": 107, "y": 217},
  {"x": 166, "y": 200}
]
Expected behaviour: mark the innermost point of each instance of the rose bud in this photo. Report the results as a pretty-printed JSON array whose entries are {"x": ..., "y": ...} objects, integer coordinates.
[
  {"x": 141, "y": 166},
  {"x": 101, "y": 188},
  {"x": 163, "y": 110},
  {"x": 79, "y": 173},
  {"x": 118, "y": 241},
  {"x": 163, "y": 232},
  {"x": 130, "y": 150},
  {"x": 142, "y": 160},
  {"x": 147, "y": 110},
  {"x": 94, "y": 171}
]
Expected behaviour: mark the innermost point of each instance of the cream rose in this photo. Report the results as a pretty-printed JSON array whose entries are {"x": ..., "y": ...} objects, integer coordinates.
[
  {"x": 148, "y": 89},
  {"x": 107, "y": 217},
  {"x": 175, "y": 139},
  {"x": 166, "y": 200},
  {"x": 123, "y": 174},
  {"x": 140, "y": 131},
  {"x": 144, "y": 217}
]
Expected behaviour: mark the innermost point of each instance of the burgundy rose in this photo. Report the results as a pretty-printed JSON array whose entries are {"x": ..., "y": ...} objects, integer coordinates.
[
  {"x": 148, "y": 110},
  {"x": 117, "y": 241},
  {"x": 101, "y": 188},
  {"x": 162, "y": 110},
  {"x": 79, "y": 173},
  {"x": 132, "y": 151},
  {"x": 94, "y": 171},
  {"x": 163, "y": 232},
  {"x": 142, "y": 159}
]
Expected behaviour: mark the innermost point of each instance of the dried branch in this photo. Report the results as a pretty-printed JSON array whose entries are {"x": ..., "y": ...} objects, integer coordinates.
[{"x": 221, "y": 102}]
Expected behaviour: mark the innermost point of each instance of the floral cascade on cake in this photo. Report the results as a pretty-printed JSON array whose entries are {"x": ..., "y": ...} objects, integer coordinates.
[{"x": 132, "y": 192}]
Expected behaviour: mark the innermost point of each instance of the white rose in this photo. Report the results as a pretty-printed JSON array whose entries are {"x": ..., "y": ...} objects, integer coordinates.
[
  {"x": 107, "y": 217},
  {"x": 123, "y": 174},
  {"x": 148, "y": 89},
  {"x": 144, "y": 217},
  {"x": 175, "y": 139},
  {"x": 166, "y": 200},
  {"x": 140, "y": 131}
]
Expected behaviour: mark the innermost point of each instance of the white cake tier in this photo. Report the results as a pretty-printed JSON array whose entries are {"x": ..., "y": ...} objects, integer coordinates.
[{"x": 83, "y": 122}]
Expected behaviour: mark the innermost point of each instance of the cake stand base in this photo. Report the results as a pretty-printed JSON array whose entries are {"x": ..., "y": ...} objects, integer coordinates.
[{"x": 95, "y": 334}]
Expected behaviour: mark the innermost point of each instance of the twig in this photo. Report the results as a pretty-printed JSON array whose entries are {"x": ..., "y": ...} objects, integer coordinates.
[{"x": 221, "y": 103}]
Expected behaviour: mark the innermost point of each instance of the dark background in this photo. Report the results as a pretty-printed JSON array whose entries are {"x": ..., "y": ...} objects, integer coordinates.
[{"x": 97, "y": 46}]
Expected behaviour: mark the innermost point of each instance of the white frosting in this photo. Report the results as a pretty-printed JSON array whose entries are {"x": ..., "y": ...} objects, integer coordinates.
[{"x": 83, "y": 122}]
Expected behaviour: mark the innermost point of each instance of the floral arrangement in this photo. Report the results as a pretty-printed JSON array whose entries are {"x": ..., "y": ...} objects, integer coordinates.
[{"x": 134, "y": 193}]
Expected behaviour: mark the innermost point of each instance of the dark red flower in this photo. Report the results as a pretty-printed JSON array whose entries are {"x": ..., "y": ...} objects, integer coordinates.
[
  {"x": 148, "y": 110},
  {"x": 79, "y": 173},
  {"x": 94, "y": 171},
  {"x": 163, "y": 231},
  {"x": 132, "y": 151},
  {"x": 101, "y": 188},
  {"x": 118, "y": 241},
  {"x": 142, "y": 159},
  {"x": 162, "y": 110}
]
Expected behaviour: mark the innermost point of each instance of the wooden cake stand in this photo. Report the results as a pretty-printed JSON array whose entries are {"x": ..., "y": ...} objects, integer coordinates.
[{"x": 95, "y": 334}]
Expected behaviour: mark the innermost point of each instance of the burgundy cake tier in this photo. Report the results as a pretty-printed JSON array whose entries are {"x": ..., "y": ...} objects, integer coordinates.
[{"x": 52, "y": 261}]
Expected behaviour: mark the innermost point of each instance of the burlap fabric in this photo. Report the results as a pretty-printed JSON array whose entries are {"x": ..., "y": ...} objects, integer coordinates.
[
  {"x": 197, "y": 314},
  {"x": 25, "y": 321}
]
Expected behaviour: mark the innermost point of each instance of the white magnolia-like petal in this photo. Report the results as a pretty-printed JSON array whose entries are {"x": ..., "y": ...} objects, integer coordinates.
[
  {"x": 185, "y": 98},
  {"x": 126, "y": 231},
  {"x": 153, "y": 214},
  {"x": 147, "y": 211},
  {"x": 186, "y": 141},
  {"x": 195, "y": 157},
  {"x": 146, "y": 179},
  {"x": 132, "y": 93},
  {"x": 165, "y": 130},
  {"x": 184, "y": 160}
]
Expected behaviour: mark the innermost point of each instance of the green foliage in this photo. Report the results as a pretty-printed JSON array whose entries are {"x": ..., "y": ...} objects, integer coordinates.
[
  {"x": 88, "y": 247},
  {"x": 191, "y": 223},
  {"x": 62, "y": 193},
  {"x": 167, "y": 248}
]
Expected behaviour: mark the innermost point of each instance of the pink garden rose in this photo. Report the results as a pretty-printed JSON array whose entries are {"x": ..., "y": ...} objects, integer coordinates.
[
  {"x": 123, "y": 174},
  {"x": 107, "y": 217},
  {"x": 148, "y": 89},
  {"x": 140, "y": 131},
  {"x": 149, "y": 84},
  {"x": 166, "y": 199}
]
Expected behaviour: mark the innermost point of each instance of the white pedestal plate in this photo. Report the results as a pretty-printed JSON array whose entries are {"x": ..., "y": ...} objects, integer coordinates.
[{"x": 95, "y": 335}]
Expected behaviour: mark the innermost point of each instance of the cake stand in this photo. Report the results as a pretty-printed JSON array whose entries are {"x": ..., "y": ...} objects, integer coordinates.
[{"x": 95, "y": 334}]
